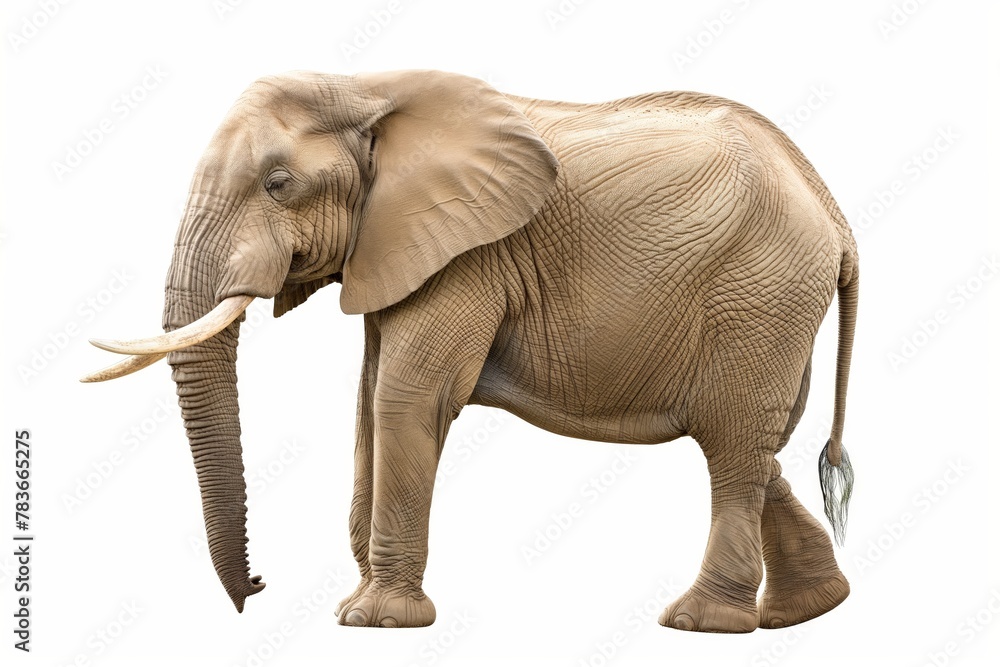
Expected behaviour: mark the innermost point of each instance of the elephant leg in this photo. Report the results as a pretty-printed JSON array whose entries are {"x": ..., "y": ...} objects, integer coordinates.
[
  {"x": 428, "y": 367},
  {"x": 753, "y": 396},
  {"x": 803, "y": 579},
  {"x": 364, "y": 440},
  {"x": 408, "y": 436},
  {"x": 723, "y": 597}
]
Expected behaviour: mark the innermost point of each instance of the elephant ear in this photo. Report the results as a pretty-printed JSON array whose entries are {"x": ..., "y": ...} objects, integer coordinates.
[{"x": 455, "y": 165}]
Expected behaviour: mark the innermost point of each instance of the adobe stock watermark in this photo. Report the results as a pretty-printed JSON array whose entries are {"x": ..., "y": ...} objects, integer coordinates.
[
  {"x": 124, "y": 105},
  {"x": 559, "y": 13},
  {"x": 640, "y": 616},
  {"x": 899, "y": 15},
  {"x": 102, "y": 639},
  {"x": 8, "y": 568},
  {"x": 261, "y": 478},
  {"x": 778, "y": 649},
  {"x": 257, "y": 315},
  {"x": 792, "y": 121},
  {"x": 798, "y": 455},
  {"x": 86, "y": 485},
  {"x": 590, "y": 492},
  {"x": 921, "y": 504},
  {"x": 366, "y": 33},
  {"x": 301, "y": 612},
  {"x": 223, "y": 8},
  {"x": 702, "y": 40},
  {"x": 436, "y": 647},
  {"x": 466, "y": 448},
  {"x": 56, "y": 342},
  {"x": 912, "y": 170},
  {"x": 34, "y": 22},
  {"x": 958, "y": 298},
  {"x": 972, "y": 626}
]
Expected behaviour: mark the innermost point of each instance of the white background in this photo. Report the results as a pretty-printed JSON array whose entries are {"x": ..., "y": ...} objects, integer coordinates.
[{"x": 117, "y": 516}]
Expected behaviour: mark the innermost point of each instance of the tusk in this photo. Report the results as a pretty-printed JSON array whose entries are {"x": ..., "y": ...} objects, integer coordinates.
[
  {"x": 203, "y": 329},
  {"x": 123, "y": 368}
]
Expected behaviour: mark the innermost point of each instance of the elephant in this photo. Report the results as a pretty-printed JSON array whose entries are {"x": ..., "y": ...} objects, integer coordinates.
[{"x": 631, "y": 272}]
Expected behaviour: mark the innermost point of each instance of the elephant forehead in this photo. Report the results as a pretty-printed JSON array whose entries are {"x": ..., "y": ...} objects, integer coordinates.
[
  {"x": 246, "y": 143},
  {"x": 305, "y": 90}
]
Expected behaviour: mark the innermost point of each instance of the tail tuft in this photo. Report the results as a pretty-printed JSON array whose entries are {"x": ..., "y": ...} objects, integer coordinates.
[{"x": 837, "y": 483}]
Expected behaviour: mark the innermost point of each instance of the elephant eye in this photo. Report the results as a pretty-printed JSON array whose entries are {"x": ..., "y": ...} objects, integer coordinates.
[{"x": 278, "y": 184}]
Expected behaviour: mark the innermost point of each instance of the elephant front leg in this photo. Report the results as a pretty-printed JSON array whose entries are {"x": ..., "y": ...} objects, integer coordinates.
[
  {"x": 409, "y": 432},
  {"x": 364, "y": 437},
  {"x": 430, "y": 354}
]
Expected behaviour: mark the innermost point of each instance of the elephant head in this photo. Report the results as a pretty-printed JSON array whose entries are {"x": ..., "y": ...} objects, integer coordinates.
[{"x": 376, "y": 181}]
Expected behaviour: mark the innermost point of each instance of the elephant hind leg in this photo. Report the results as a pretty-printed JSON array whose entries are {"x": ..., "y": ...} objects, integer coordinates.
[
  {"x": 803, "y": 579},
  {"x": 752, "y": 402},
  {"x": 723, "y": 597}
]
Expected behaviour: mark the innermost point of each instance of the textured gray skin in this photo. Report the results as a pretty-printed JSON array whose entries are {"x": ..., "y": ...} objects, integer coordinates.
[{"x": 634, "y": 271}]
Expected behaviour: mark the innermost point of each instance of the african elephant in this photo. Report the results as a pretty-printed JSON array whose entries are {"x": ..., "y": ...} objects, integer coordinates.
[{"x": 628, "y": 272}]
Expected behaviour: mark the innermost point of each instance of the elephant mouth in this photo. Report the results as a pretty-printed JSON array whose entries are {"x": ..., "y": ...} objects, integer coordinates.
[{"x": 144, "y": 352}]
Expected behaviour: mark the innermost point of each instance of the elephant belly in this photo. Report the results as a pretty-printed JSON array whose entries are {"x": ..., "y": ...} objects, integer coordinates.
[
  {"x": 627, "y": 429},
  {"x": 629, "y": 400}
]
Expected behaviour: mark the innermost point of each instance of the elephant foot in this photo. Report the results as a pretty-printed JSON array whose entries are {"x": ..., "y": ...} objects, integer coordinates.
[
  {"x": 779, "y": 609},
  {"x": 377, "y": 607},
  {"x": 698, "y": 613},
  {"x": 358, "y": 592}
]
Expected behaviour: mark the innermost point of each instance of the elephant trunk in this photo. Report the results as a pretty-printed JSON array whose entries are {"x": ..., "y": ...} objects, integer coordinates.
[
  {"x": 215, "y": 273},
  {"x": 205, "y": 374}
]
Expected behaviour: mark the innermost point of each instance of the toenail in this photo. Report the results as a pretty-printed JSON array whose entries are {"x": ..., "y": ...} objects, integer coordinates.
[
  {"x": 683, "y": 622},
  {"x": 357, "y": 618}
]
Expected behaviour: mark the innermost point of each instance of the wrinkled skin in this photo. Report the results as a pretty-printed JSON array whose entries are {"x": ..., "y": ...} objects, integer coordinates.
[{"x": 630, "y": 272}]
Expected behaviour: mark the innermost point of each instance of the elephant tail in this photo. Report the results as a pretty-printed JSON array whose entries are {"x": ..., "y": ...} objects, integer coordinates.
[{"x": 836, "y": 476}]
